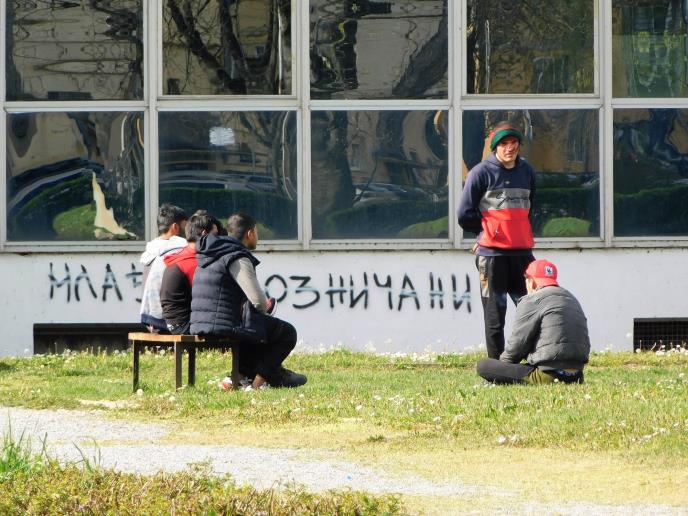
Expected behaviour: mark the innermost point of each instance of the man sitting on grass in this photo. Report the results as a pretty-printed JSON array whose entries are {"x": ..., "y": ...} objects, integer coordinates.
[
  {"x": 550, "y": 332},
  {"x": 224, "y": 281}
]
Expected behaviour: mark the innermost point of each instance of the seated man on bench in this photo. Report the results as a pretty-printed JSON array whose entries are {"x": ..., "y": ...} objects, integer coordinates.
[
  {"x": 175, "y": 291},
  {"x": 550, "y": 332},
  {"x": 224, "y": 280}
]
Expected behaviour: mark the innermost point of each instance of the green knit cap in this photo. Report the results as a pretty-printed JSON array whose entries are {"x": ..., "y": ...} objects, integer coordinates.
[{"x": 503, "y": 133}]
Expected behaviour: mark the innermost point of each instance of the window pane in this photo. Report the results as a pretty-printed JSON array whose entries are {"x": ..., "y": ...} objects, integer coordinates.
[
  {"x": 649, "y": 48},
  {"x": 226, "y": 162},
  {"x": 75, "y": 176},
  {"x": 562, "y": 147},
  {"x": 530, "y": 47},
  {"x": 370, "y": 50},
  {"x": 74, "y": 50},
  {"x": 650, "y": 172},
  {"x": 226, "y": 48},
  {"x": 379, "y": 174}
]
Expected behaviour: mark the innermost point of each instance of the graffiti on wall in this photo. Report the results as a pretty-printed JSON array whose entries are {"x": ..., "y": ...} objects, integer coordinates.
[
  {"x": 81, "y": 283},
  {"x": 300, "y": 291}
]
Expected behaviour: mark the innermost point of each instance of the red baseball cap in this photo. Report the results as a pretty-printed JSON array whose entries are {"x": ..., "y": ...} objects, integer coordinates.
[{"x": 543, "y": 272}]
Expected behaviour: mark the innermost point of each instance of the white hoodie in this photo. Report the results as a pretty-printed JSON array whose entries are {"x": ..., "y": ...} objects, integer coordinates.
[{"x": 153, "y": 257}]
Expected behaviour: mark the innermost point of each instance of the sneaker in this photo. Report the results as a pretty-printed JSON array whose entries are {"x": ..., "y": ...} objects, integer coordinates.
[{"x": 286, "y": 378}]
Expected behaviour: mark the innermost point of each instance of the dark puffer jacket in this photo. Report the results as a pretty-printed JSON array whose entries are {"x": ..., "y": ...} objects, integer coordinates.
[{"x": 217, "y": 299}]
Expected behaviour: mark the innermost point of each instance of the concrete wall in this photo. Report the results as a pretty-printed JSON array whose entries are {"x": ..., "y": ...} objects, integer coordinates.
[{"x": 400, "y": 309}]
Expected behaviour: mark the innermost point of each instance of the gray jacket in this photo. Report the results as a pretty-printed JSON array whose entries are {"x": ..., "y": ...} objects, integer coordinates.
[{"x": 550, "y": 331}]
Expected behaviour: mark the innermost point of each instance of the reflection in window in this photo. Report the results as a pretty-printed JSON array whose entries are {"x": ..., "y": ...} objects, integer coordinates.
[
  {"x": 649, "y": 48},
  {"x": 378, "y": 49},
  {"x": 226, "y": 162},
  {"x": 650, "y": 172},
  {"x": 75, "y": 176},
  {"x": 74, "y": 50},
  {"x": 562, "y": 147},
  {"x": 518, "y": 47},
  {"x": 379, "y": 174},
  {"x": 226, "y": 48}
]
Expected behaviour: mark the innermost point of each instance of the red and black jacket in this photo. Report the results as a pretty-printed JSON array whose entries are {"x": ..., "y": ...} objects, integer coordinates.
[{"x": 496, "y": 203}]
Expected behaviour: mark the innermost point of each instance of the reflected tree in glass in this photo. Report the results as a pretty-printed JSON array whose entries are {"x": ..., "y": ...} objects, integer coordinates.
[
  {"x": 74, "y": 50},
  {"x": 226, "y": 47},
  {"x": 378, "y": 49},
  {"x": 226, "y": 162},
  {"x": 650, "y": 172},
  {"x": 650, "y": 48},
  {"x": 516, "y": 47},
  {"x": 562, "y": 147},
  {"x": 75, "y": 176},
  {"x": 379, "y": 174}
]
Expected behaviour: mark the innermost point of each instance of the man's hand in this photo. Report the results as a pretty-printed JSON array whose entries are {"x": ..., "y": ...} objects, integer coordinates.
[{"x": 272, "y": 305}]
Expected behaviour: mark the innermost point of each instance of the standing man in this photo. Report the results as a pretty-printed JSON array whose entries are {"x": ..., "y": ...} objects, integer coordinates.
[
  {"x": 496, "y": 203},
  {"x": 550, "y": 332},
  {"x": 224, "y": 280}
]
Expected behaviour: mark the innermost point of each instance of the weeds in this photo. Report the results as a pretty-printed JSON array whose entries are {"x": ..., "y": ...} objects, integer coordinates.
[{"x": 18, "y": 457}]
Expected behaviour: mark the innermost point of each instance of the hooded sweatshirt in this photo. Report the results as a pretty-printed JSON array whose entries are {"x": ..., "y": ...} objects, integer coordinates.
[
  {"x": 217, "y": 298},
  {"x": 175, "y": 292},
  {"x": 152, "y": 259},
  {"x": 496, "y": 202}
]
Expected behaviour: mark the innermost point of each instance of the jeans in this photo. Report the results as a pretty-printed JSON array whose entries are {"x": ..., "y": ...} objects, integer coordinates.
[{"x": 496, "y": 371}]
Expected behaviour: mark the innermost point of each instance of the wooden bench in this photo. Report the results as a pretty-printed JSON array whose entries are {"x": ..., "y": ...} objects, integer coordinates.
[{"x": 180, "y": 343}]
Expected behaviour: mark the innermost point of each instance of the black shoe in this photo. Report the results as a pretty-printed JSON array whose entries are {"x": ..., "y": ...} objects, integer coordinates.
[{"x": 286, "y": 378}]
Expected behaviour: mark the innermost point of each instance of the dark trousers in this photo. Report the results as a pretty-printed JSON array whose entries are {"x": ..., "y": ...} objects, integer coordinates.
[
  {"x": 499, "y": 276},
  {"x": 266, "y": 358},
  {"x": 496, "y": 371}
]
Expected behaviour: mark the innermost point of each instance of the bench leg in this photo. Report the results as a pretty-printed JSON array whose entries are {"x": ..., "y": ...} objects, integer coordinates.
[
  {"x": 192, "y": 364},
  {"x": 137, "y": 350},
  {"x": 178, "y": 350},
  {"x": 235, "y": 366}
]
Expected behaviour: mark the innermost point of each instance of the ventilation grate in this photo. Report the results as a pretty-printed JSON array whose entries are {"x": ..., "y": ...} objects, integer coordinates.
[{"x": 660, "y": 333}]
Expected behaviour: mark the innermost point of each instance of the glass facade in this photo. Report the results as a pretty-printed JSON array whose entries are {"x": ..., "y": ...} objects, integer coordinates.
[
  {"x": 226, "y": 162},
  {"x": 75, "y": 176},
  {"x": 650, "y": 172},
  {"x": 348, "y": 38},
  {"x": 518, "y": 47},
  {"x": 74, "y": 51},
  {"x": 650, "y": 48},
  {"x": 339, "y": 123},
  {"x": 226, "y": 48},
  {"x": 379, "y": 174}
]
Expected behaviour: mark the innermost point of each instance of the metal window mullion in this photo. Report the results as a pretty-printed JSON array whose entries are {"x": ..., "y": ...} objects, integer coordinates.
[
  {"x": 153, "y": 89},
  {"x": 607, "y": 128},
  {"x": 3, "y": 134},
  {"x": 304, "y": 125},
  {"x": 457, "y": 18}
]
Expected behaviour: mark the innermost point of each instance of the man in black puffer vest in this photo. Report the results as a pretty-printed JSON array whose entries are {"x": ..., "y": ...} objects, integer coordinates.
[{"x": 224, "y": 280}]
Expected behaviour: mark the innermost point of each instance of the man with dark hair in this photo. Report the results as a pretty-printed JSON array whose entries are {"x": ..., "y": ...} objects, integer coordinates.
[
  {"x": 171, "y": 223},
  {"x": 224, "y": 281},
  {"x": 496, "y": 202},
  {"x": 175, "y": 291},
  {"x": 550, "y": 332}
]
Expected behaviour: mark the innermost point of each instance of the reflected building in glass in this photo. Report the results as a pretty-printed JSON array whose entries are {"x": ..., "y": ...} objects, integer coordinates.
[
  {"x": 340, "y": 121},
  {"x": 74, "y": 51},
  {"x": 75, "y": 176}
]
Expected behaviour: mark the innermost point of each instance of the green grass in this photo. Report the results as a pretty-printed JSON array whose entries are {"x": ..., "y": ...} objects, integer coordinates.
[
  {"x": 630, "y": 402},
  {"x": 427, "y": 415}
]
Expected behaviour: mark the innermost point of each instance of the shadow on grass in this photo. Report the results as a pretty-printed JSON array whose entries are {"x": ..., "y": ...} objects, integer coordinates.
[{"x": 5, "y": 368}]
